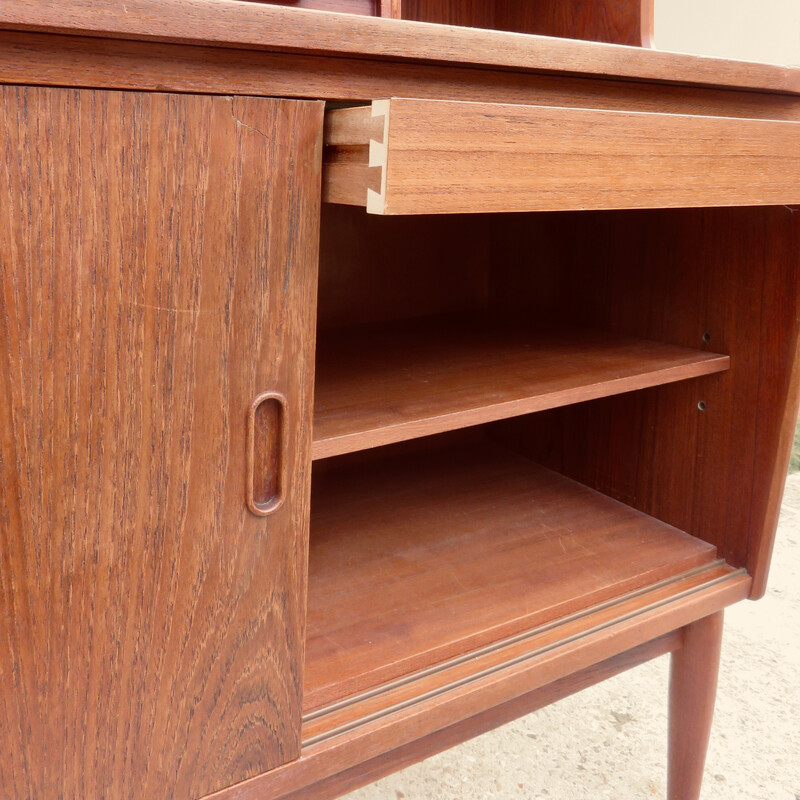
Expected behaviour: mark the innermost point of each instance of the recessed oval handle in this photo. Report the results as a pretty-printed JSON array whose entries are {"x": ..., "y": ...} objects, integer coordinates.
[{"x": 266, "y": 453}]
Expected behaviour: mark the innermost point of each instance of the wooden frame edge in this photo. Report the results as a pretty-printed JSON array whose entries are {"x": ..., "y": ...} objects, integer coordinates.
[
  {"x": 347, "y": 752},
  {"x": 228, "y": 23}
]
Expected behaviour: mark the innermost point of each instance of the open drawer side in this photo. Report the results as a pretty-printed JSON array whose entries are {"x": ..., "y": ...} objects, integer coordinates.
[
  {"x": 406, "y": 156},
  {"x": 356, "y": 151}
]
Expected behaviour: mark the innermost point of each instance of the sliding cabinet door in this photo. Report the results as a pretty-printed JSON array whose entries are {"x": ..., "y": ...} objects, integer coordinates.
[{"x": 158, "y": 257}]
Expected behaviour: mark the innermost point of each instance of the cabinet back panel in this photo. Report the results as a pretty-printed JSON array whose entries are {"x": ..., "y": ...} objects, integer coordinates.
[
  {"x": 471, "y": 13},
  {"x": 726, "y": 280},
  {"x": 617, "y": 21},
  {"x": 379, "y": 268}
]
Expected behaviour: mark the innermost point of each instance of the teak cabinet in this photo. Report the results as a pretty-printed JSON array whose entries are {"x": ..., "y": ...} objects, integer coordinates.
[{"x": 335, "y": 433}]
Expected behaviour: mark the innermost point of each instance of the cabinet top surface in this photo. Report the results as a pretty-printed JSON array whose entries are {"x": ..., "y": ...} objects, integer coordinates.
[{"x": 250, "y": 25}]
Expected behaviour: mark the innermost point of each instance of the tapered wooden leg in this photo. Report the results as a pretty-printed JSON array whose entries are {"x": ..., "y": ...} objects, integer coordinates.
[{"x": 692, "y": 689}]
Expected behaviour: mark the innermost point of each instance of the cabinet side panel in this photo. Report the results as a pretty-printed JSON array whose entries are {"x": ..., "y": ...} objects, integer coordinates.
[{"x": 158, "y": 259}]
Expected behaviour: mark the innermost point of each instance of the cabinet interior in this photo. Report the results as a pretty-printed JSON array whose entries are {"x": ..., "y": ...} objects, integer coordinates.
[{"x": 496, "y": 394}]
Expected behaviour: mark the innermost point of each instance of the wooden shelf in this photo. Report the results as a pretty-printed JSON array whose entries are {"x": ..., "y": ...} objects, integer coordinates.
[
  {"x": 415, "y": 559},
  {"x": 390, "y": 382}
]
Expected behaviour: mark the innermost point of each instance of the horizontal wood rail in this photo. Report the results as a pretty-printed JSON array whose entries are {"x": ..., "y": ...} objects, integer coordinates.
[
  {"x": 615, "y": 632},
  {"x": 229, "y": 23},
  {"x": 468, "y": 728},
  {"x": 510, "y": 656}
]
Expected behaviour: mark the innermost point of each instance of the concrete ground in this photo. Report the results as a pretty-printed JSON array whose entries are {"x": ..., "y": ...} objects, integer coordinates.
[{"x": 610, "y": 741}]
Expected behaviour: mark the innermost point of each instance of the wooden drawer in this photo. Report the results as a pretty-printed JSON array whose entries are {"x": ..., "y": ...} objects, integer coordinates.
[{"x": 406, "y": 156}]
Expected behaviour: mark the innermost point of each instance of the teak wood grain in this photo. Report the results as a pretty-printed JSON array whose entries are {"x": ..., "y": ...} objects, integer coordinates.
[
  {"x": 158, "y": 272},
  {"x": 472, "y": 13},
  {"x": 372, "y": 268},
  {"x": 136, "y": 231},
  {"x": 249, "y": 25},
  {"x": 389, "y": 382},
  {"x": 442, "y": 157},
  {"x": 414, "y": 560},
  {"x": 391, "y": 8},
  {"x": 617, "y": 21}
]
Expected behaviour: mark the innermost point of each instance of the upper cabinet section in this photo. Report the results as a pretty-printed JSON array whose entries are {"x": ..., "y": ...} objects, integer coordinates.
[{"x": 616, "y": 21}]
